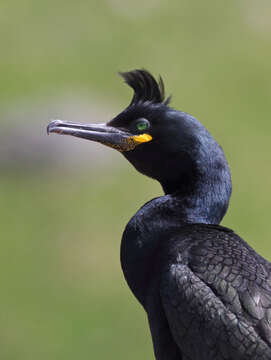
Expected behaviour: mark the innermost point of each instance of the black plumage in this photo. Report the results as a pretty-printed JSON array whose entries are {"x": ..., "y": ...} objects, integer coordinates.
[
  {"x": 206, "y": 292},
  {"x": 146, "y": 88}
]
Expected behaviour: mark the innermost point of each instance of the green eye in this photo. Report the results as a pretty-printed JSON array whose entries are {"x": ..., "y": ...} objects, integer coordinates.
[{"x": 142, "y": 125}]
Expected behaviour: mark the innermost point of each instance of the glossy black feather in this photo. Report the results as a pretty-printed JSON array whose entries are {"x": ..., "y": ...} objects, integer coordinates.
[
  {"x": 146, "y": 88},
  {"x": 216, "y": 293}
]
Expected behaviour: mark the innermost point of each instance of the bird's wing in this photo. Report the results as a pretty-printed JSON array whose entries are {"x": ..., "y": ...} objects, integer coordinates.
[{"x": 216, "y": 293}]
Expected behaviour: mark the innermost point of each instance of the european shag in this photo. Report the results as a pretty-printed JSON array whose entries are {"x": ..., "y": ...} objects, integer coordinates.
[{"x": 206, "y": 292}]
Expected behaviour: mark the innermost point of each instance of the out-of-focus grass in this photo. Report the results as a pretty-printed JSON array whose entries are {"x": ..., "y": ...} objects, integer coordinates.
[{"x": 63, "y": 294}]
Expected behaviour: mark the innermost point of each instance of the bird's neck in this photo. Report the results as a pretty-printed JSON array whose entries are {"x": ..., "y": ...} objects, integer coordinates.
[{"x": 198, "y": 201}]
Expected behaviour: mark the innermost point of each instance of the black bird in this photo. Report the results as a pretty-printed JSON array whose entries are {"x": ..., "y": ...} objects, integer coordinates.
[{"x": 206, "y": 292}]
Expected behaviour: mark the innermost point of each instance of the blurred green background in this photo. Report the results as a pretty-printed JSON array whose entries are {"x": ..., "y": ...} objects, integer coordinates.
[{"x": 65, "y": 202}]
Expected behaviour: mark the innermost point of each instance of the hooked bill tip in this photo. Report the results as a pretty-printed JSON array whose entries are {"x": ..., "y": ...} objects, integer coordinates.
[{"x": 52, "y": 127}]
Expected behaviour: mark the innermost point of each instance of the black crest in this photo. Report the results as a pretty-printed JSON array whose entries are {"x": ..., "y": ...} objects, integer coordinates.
[{"x": 146, "y": 88}]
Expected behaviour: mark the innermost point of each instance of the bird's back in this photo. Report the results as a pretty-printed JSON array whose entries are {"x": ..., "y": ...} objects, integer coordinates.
[{"x": 216, "y": 294}]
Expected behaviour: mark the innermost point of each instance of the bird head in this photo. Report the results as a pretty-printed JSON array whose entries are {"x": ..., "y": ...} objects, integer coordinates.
[{"x": 168, "y": 145}]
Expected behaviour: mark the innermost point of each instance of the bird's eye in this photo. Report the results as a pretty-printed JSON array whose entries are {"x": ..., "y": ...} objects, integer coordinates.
[{"x": 142, "y": 124}]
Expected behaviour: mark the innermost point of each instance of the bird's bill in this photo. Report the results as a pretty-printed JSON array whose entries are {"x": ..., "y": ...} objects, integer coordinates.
[{"x": 102, "y": 133}]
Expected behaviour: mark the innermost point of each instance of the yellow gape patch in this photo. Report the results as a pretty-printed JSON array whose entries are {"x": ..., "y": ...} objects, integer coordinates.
[
  {"x": 130, "y": 142},
  {"x": 142, "y": 138}
]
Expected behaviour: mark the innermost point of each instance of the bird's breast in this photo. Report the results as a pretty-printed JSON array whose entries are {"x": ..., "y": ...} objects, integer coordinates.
[{"x": 140, "y": 257}]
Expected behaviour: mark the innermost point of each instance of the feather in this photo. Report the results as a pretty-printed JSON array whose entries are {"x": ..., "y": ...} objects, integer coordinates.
[{"x": 146, "y": 88}]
